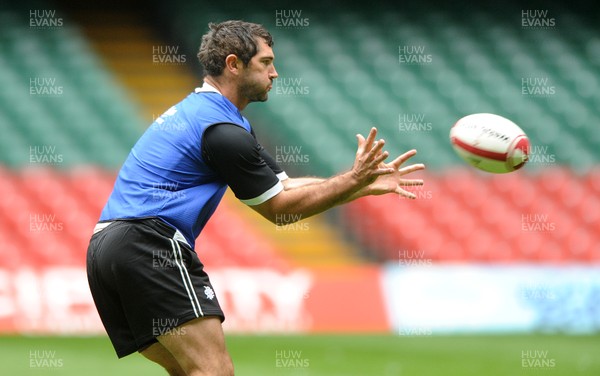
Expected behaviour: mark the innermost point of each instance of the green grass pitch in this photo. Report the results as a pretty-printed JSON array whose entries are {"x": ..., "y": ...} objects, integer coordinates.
[{"x": 331, "y": 355}]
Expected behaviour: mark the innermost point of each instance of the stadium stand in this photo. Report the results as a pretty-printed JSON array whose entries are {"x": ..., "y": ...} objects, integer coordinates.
[
  {"x": 338, "y": 76},
  {"x": 58, "y": 95},
  {"x": 464, "y": 216},
  {"x": 354, "y": 69},
  {"x": 48, "y": 216},
  {"x": 62, "y": 146}
]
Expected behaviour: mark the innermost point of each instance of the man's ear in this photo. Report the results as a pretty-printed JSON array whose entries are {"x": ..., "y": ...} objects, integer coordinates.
[{"x": 233, "y": 64}]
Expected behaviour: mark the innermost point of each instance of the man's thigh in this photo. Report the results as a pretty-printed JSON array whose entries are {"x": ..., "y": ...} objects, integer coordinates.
[{"x": 199, "y": 347}]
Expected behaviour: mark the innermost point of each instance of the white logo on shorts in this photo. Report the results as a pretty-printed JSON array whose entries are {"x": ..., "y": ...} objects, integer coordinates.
[{"x": 210, "y": 294}]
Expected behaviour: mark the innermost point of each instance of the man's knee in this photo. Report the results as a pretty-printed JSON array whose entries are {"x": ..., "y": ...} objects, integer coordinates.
[
  {"x": 227, "y": 365},
  {"x": 218, "y": 366},
  {"x": 175, "y": 372},
  {"x": 158, "y": 354}
]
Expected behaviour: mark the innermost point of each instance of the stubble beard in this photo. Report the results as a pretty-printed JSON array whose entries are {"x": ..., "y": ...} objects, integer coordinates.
[{"x": 253, "y": 92}]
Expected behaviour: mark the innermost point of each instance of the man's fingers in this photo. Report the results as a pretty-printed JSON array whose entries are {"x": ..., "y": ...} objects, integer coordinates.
[
  {"x": 372, "y": 135},
  {"x": 411, "y": 168},
  {"x": 403, "y": 158},
  {"x": 368, "y": 144},
  {"x": 371, "y": 156},
  {"x": 410, "y": 182},
  {"x": 380, "y": 157},
  {"x": 376, "y": 148},
  {"x": 370, "y": 138},
  {"x": 406, "y": 194},
  {"x": 361, "y": 143},
  {"x": 383, "y": 171}
]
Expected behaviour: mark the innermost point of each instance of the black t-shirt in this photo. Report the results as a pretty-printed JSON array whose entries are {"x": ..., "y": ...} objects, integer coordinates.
[{"x": 249, "y": 170}]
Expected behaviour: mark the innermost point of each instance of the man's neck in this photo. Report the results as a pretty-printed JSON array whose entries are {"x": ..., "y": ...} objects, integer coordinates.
[{"x": 228, "y": 90}]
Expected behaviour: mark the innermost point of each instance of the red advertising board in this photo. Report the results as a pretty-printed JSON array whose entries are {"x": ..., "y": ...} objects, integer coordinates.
[{"x": 56, "y": 300}]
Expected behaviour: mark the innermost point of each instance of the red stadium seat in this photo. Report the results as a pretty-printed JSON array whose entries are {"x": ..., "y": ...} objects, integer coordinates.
[
  {"x": 592, "y": 181},
  {"x": 550, "y": 217},
  {"x": 225, "y": 229},
  {"x": 589, "y": 211},
  {"x": 47, "y": 217}
]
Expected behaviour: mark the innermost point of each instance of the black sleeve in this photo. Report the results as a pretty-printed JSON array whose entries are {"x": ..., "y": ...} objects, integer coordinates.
[
  {"x": 269, "y": 160},
  {"x": 238, "y": 158}
]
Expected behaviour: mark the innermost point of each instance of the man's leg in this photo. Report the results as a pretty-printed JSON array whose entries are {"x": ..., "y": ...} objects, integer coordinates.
[
  {"x": 159, "y": 354},
  {"x": 199, "y": 347}
]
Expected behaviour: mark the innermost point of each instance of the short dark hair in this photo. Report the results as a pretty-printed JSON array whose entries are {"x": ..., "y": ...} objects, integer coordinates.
[{"x": 230, "y": 37}]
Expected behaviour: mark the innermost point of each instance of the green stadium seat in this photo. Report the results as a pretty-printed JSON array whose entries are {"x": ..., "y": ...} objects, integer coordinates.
[
  {"x": 350, "y": 64},
  {"x": 90, "y": 100}
]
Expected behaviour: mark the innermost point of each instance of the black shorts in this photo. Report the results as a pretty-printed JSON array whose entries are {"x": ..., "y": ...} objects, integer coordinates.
[{"x": 145, "y": 283}]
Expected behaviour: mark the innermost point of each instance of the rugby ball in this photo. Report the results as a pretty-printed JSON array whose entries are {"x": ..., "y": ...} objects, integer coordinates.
[{"x": 490, "y": 142}]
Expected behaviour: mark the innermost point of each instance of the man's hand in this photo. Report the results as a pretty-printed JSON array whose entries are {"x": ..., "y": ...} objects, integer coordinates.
[
  {"x": 388, "y": 176},
  {"x": 368, "y": 165},
  {"x": 370, "y": 175},
  {"x": 393, "y": 183}
]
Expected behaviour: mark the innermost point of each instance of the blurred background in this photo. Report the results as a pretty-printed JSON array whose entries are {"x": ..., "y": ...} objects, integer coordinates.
[{"x": 482, "y": 274}]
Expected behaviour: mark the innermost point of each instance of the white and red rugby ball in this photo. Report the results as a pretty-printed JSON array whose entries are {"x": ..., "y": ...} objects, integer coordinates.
[{"x": 490, "y": 142}]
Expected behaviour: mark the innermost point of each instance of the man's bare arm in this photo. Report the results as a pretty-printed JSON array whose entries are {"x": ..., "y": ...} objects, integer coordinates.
[
  {"x": 305, "y": 197},
  {"x": 391, "y": 183}
]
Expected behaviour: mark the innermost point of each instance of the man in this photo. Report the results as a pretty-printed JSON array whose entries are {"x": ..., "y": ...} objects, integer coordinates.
[{"x": 171, "y": 183}]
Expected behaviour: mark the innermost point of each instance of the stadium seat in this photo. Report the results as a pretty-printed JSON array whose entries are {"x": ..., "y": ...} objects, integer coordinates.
[{"x": 355, "y": 78}]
